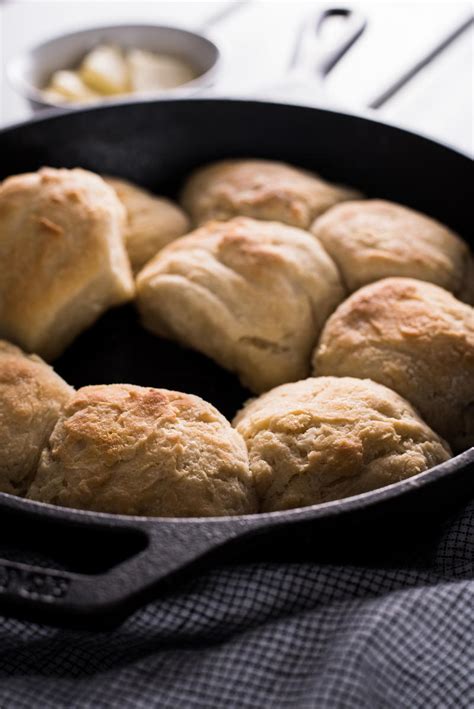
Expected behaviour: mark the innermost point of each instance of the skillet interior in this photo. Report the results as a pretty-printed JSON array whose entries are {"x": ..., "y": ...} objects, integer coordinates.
[{"x": 156, "y": 144}]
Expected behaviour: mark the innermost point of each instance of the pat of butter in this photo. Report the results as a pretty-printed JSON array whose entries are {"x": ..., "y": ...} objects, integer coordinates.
[
  {"x": 53, "y": 96},
  {"x": 69, "y": 86},
  {"x": 104, "y": 70},
  {"x": 153, "y": 72},
  {"x": 108, "y": 71}
]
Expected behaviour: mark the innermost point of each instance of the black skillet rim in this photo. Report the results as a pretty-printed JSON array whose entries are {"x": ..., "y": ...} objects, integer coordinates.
[
  {"x": 367, "y": 115},
  {"x": 327, "y": 509}
]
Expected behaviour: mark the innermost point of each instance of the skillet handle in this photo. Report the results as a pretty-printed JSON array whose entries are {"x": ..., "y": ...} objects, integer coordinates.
[
  {"x": 314, "y": 55},
  {"x": 43, "y": 594}
]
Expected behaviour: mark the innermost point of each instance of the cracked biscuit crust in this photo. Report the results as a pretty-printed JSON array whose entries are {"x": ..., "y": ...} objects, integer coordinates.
[
  {"x": 261, "y": 189},
  {"x": 327, "y": 438},
  {"x": 252, "y": 295},
  {"x": 415, "y": 338},
  {"x": 62, "y": 257},
  {"x": 140, "y": 451},
  {"x": 374, "y": 239},
  {"x": 32, "y": 397}
]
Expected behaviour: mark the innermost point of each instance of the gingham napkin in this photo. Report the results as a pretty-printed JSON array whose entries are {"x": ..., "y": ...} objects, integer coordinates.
[{"x": 270, "y": 635}]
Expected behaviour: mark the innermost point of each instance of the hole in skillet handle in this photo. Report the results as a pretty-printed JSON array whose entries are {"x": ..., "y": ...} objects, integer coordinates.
[
  {"x": 46, "y": 552},
  {"x": 91, "y": 571},
  {"x": 350, "y": 24},
  {"x": 407, "y": 517},
  {"x": 65, "y": 546}
]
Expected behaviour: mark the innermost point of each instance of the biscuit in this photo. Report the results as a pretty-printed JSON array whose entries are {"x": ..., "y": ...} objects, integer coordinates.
[
  {"x": 32, "y": 397},
  {"x": 152, "y": 222},
  {"x": 62, "y": 257},
  {"x": 139, "y": 451},
  {"x": 326, "y": 438},
  {"x": 251, "y": 295},
  {"x": 262, "y": 189},
  {"x": 415, "y": 338},
  {"x": 374, "y": 239}
]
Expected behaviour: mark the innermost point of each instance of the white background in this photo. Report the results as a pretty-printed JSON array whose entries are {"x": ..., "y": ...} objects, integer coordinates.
[{"x": 257, "y": 40}]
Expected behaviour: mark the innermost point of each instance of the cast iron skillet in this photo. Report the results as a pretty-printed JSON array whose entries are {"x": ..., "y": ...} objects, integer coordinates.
[{"x": 97, "y": 568}]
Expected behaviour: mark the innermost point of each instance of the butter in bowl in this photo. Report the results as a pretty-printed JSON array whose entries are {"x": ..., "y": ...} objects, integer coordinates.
[
  {"x": 110, "y": 63},
  {"x": 109, "y": 71}
]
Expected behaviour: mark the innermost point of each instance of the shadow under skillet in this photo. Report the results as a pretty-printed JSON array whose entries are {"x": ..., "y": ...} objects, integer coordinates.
[{"x": 117, "y": 349}]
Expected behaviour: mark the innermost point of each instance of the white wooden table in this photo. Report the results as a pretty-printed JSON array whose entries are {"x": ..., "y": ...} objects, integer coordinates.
[{"x": 257, "y": 39}]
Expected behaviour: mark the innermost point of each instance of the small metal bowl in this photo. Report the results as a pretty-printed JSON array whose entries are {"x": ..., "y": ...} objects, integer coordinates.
[{"x": 30, "y": 72}]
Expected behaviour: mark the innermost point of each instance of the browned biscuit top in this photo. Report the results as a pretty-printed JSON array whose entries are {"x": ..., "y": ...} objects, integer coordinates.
[
  {"x": 136, "y": 450},
  {"x": 261, "y": 189}
]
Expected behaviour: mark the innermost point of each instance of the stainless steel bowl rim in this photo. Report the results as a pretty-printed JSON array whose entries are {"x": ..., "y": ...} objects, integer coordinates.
[{"x": 35, "y": 94}]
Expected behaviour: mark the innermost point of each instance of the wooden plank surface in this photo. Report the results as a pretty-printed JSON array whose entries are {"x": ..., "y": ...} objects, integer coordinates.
[{"x": 257, "y": 42}]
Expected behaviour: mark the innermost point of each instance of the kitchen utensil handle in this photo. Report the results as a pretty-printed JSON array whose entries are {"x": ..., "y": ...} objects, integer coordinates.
[
  {"x": 41, "y": 593},
  {"x": 314, "y": 56}
]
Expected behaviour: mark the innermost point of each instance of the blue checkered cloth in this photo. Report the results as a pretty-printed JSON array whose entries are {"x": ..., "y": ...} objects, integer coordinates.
[{"x": 270, "y": 635}]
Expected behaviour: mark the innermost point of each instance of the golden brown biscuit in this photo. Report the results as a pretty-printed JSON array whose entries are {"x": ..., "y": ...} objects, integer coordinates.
[
  {"x": 32, "y": 397},
  {"x": 415, "y": 338},
  {"x": 152, "y": 222},
  {"x": 140, "y": 451},
  {"x": 262, "y": 189},
  {"x": 62, "y": 257},
  {"x": 374, "y": 239},
  {"x": 327, "y": 438},
  {"x": 252, "y": 295}
]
